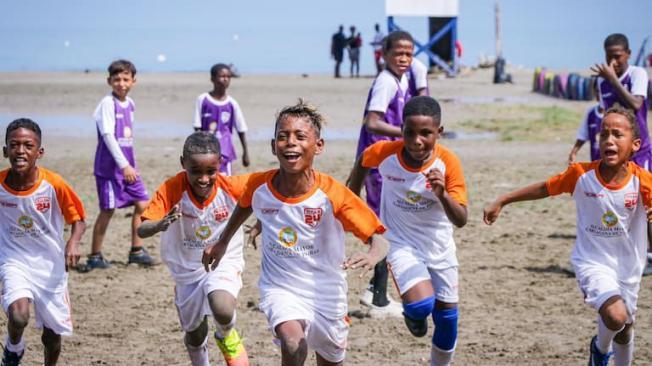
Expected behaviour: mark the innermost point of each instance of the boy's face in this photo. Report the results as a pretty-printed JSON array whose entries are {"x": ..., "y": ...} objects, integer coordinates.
[
  {"x": 23, "y": 149},
  {"x": 121, "y": 83},
  {"x": 420, "y": 134},
  {"x": 617, "y": 142},
  {"x": 619, "y": 56},
  {"x": 202, "y": 170},
  {"x": 222, "y": 80},
  {"x": 296, "y": 144},
  {"x": 399, "y": 58}
]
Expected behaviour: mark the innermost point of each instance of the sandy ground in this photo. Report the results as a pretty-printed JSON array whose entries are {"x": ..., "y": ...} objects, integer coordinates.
[{"x": 518, "y": 305}]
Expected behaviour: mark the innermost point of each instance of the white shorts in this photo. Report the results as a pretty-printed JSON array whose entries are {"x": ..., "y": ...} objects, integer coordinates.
[
  {"x": 324, "y": 335},
  {"x": 51, "y": 308},
  {"x": 408, "y": 270},
  {"x": 192, "y": 299},
  {"x": 598, "y": 284}
]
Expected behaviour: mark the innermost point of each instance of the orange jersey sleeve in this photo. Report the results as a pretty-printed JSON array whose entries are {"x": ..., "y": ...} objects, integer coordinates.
[
  {"x": 71, "y": 206},
  {"x": 376, "y": 153},
  {"x": 455, "y": 183},
  {"x": 646, "y": 184},
  {"x": 565, "y": 182},
  {"x": 350, "y": 210},
  {"x": 234, "y": 185},
  {"x": 254, "y": 181},
  {"x": 166, "y": 196}
]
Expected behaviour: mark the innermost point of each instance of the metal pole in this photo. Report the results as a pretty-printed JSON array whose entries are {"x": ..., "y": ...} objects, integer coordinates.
[{"x": 499, "y": 46}]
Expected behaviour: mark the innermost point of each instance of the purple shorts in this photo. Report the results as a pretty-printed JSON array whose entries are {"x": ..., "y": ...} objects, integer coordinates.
[{"x": 116, "y": 193}]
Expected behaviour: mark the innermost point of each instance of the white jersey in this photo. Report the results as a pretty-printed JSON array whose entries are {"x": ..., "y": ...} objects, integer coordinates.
[
  {"x": 303, "y": 239},
  {"x": 420, "y": 73},
  {"x": 412, "y": 213},
  {"x": 611, "y": 220},
  {"x": 32, "y": 224},
  {"x": 200, "y": 225},
  {"x": 384, "y": 90}
]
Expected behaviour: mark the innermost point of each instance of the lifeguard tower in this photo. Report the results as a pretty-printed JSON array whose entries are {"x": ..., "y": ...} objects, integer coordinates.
[{"x": 442, "y": 15}]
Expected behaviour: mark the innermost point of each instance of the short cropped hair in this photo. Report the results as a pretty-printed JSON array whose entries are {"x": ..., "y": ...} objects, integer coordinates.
[
  {"x": 423, "y": 106},
  {"x": 390, "y": 41},
  {"x": 201, "y": 142},
  {"x": 616, "y": 39},
  {"x": 25, "y": 123},
  {"x": 215, "y": 70},
  {"x": 629, "y": 115},
  {"x": 305, "y": 110},
  {"x": 120, "y": 66}
]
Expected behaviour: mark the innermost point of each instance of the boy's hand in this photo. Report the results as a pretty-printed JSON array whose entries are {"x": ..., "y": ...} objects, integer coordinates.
[
  {"x": 169, "y": 218},
  {"x": 437, "y": 182},
  {"x": 252, "y": 232},
  {"x": 649, "y": 214},
  {"x": 212, "y": 256},
  {"x": 71, "y": 254},
  {"x": 491, "y": 212},
  {"x": 130, "y": 174},
  {"x": 245, "y": 159},
  {"x": 361, "y": 260},
  {"x": 608, "y": 72},
  {"x": 571, "y": 158}
]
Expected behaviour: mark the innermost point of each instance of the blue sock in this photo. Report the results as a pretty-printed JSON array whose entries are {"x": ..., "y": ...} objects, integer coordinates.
[
  {"x": 419, "y": 310},
  {"x": 445, "y": 328}
]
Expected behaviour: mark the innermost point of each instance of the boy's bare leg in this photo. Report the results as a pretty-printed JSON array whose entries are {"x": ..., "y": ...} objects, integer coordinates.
[
  {"x": 294, "y": 348},
  {"x": 52, "y": 346},
  {"x": 223, "y": 305},
  {"x": 322, "y": 361},
  {"x": 99, "y": 230},
  {"x": 139, "y": 208},
  {"x": 196, "y": 344},
  {"x": 17, "y": 319}
]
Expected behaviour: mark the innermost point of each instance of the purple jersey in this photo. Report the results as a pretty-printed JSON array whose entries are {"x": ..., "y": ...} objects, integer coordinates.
[
  {"x": 105, "y": 164},
  {"x": 220, "y": 120},
  {"x": 593, "y": 125},
  {"x": 609, "y": 96}
]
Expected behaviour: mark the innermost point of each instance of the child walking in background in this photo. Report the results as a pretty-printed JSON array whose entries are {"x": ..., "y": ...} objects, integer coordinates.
[
  {"x": 304, "y": 215},
  {"x": 218, "y": 113},
  {"x": 382, "y": 121},
  {"x": 34, "y": 259},
  {"x": 613, "y": 197},
  {"x": 118, "y": 181},
  {"x": 423, "y": 196},
  {"x": 192, "y": 209}
]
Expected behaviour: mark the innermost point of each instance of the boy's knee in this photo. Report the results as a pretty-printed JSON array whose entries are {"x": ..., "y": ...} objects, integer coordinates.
[
  {"x": 222, "y": 306},
  {"x": 18, "y": 314},
  {"x": 625, "y": 336},
  {"x": 614, "y": 314},
  {"x": 197, "y": 337},
  {"x": 419, "y": 310},
  {"x": 294, "y": 344},
  {"x": 445, "y": 336}
]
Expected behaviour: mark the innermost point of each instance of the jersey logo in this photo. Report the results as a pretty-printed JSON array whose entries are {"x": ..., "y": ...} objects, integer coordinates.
[
  {"x": 203, "y": 232},
  {"x": 269, "y": 211},
  {"x": 631, "y": 199},
  {"x": 609, "y": 219},
  {"x": 221, "y": 213},
  {"x": 395, "y": 179},
  {"x": 413, "y": 197},
  {"x": 225, "y": 116},
  {"x": 288, "y": 237},
  {"x": 42, "y": 204},
  {"x": 312, "y": 216},
  {"x": 25, "y": 222}
]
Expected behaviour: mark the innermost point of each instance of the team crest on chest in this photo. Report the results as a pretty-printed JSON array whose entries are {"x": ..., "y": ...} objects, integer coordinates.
[
  {"x": 631, "y": 199},
  {"x": 221, "y": 213},
  {"x": 288, "y": 237},
  {"x": 413, "y": 197},
  {"x": 203, "y": 232},
  {"x": 42, "y": 204},
  {"x": 25, "y": 222},
  {"x": 609, "y": 219},
  {"x": 312, "y": 216},
  {"x": 225, "y": 116}
]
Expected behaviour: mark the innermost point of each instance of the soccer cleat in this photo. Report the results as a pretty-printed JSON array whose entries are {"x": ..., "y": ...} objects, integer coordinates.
[
  {"x": 97, "y": 261},
  {"x": 11, "y": 358},
  {"x": 418, "y": 328},
  {"x": 140, "y": 256},
  {"x": 232, "y": 349},
  {"x": 597, "y": 358},
  {"x": 367, "y": 297},
  {"x": 391, "y": 310}
]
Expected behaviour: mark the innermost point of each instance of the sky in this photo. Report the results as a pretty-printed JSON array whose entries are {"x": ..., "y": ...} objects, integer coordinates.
[{"x": 293, "y": 36}]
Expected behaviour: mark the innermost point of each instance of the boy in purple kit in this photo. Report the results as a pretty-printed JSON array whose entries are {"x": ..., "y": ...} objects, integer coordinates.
[
  {"x": 118, "y": 182},
  {"x": 217, "y": 112},
  {"x": 382, "y": 121}
]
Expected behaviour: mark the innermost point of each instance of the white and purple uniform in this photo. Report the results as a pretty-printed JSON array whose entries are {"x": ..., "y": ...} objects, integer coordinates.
[
  {"x": 635, "y": 80},
  {"x": 388, "y": 95},
  {"x": 115, "y": 151},
  {"x": 417, "y": 76},
  {"x": 590, "y": 129},
  {"x": 219, "y": 117}
]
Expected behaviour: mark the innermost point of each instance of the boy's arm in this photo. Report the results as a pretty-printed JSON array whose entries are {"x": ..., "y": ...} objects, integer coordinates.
[
  {"x": 532, "y": 192},
  {"x": 609, "y": 74},
  {"x": 150, "y": 227},
  {"x": 357, "y": 176},
  {"x": 375, "y": 123},
  {"x": 455, "y": 211},
  {"x": 245, "y": 150},
  {"x": 573, "y": 153},
  {"x": 72, "y": 246},
  {"x": 214, "y": 253},
  {"x": 378, "y": 247}
]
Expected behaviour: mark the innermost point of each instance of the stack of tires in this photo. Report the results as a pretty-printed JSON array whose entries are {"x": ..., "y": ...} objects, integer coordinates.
[{"x": 568, "y": 86}]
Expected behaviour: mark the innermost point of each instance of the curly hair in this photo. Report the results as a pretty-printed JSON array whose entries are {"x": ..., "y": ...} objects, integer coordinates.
[{"x": 305, "y": 110}]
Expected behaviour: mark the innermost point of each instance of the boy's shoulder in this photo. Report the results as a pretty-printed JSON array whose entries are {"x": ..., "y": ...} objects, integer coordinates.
[
  {"x": 206, "y": 97},
  {"x": 446, "y": 154}
]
